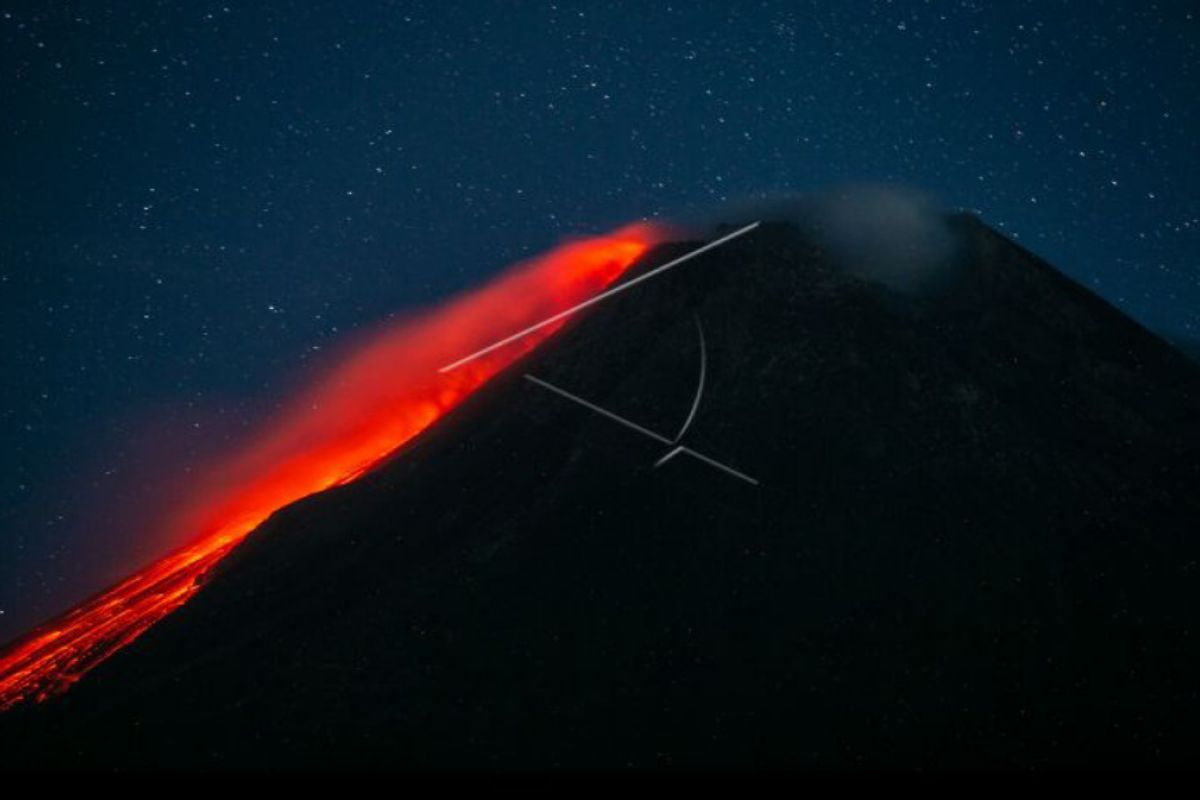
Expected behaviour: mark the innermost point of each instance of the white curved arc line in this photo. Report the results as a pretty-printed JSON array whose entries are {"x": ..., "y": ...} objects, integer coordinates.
[{"x": 699, "y": 386}]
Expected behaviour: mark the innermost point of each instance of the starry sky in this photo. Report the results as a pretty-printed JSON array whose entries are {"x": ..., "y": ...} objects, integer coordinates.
[{"x": 200, "y": 198}]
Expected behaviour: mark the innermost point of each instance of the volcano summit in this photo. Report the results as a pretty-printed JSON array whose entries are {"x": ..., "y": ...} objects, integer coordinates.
[{"x": 970, "y": 540}]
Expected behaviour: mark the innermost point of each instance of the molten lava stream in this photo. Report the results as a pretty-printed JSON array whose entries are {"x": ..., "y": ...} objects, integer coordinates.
[{"x": 386, "y": 391}]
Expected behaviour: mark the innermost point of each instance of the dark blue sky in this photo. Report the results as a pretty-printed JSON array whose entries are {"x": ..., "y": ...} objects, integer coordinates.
[{"x": 199, "y": 197}]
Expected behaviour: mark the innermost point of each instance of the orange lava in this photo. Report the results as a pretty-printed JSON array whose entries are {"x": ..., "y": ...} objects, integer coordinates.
[{"x": 382, "y": 393}]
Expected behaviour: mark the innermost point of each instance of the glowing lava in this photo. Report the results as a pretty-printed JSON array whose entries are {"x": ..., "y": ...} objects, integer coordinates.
[{"x": 386, "y": 391}]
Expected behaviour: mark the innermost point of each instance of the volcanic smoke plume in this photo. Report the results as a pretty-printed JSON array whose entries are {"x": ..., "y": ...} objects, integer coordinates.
[{"x": 387, "y": 390}]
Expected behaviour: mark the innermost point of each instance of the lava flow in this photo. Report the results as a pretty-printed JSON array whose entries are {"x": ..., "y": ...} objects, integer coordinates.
[{"x": 384, "y": 392}]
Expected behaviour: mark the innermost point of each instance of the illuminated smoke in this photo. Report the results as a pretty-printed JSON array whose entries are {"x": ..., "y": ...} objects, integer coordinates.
[
  {"x": 895, "y": 235},
  {"x": 385, "y": 391}
]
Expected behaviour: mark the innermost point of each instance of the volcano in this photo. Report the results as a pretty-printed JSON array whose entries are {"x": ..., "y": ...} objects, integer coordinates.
[{"x": 761, "y": 510}]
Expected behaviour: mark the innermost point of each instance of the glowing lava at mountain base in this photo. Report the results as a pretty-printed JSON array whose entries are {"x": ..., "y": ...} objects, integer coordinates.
[{"x": 384, "y": 392}]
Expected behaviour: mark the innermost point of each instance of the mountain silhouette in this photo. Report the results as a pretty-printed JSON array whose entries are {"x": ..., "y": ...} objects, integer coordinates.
[
  {"x": 952, "y": 527},
  {"x": 1190, "y": 348}
]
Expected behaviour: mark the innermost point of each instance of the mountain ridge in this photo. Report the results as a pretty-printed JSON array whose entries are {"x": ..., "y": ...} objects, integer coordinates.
[{"x": 971, "y": 529}]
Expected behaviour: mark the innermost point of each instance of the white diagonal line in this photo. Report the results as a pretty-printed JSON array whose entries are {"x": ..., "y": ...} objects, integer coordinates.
[
  {"x": 670, "y": 454},
  {"x": 602, "y": 296},
  {"x": 676, "y": 449},
  {"x": 599, "y": 410},
  {"x": 720, "y": 466}
]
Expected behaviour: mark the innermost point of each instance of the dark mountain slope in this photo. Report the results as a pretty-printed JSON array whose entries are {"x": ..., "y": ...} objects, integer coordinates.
[
  {"x": 1190, "y": 348},
  {"x": 974, "y": 542}
]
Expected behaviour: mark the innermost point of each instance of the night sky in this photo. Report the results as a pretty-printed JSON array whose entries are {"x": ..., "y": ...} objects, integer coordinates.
[{"x": 200, "y": 199}]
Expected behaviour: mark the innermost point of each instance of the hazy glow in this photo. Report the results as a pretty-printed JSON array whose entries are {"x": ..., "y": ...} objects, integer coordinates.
[{"x": 384, "y": 392}]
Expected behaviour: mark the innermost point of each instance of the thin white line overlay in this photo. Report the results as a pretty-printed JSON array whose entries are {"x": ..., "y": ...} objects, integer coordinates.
[
  {"x": 676, "y": 449},
  {"x": 602, "y": 296},
  {"x": 687, "y": 423},
  {"x": 602, "y": 411}
]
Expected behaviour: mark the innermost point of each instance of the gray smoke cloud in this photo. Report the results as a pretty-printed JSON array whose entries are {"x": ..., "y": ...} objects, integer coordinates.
[{"x": 895, "y": 235}]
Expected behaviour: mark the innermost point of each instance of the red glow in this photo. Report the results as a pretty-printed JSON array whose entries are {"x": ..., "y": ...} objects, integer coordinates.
[{"x": 383, "y": 393}]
